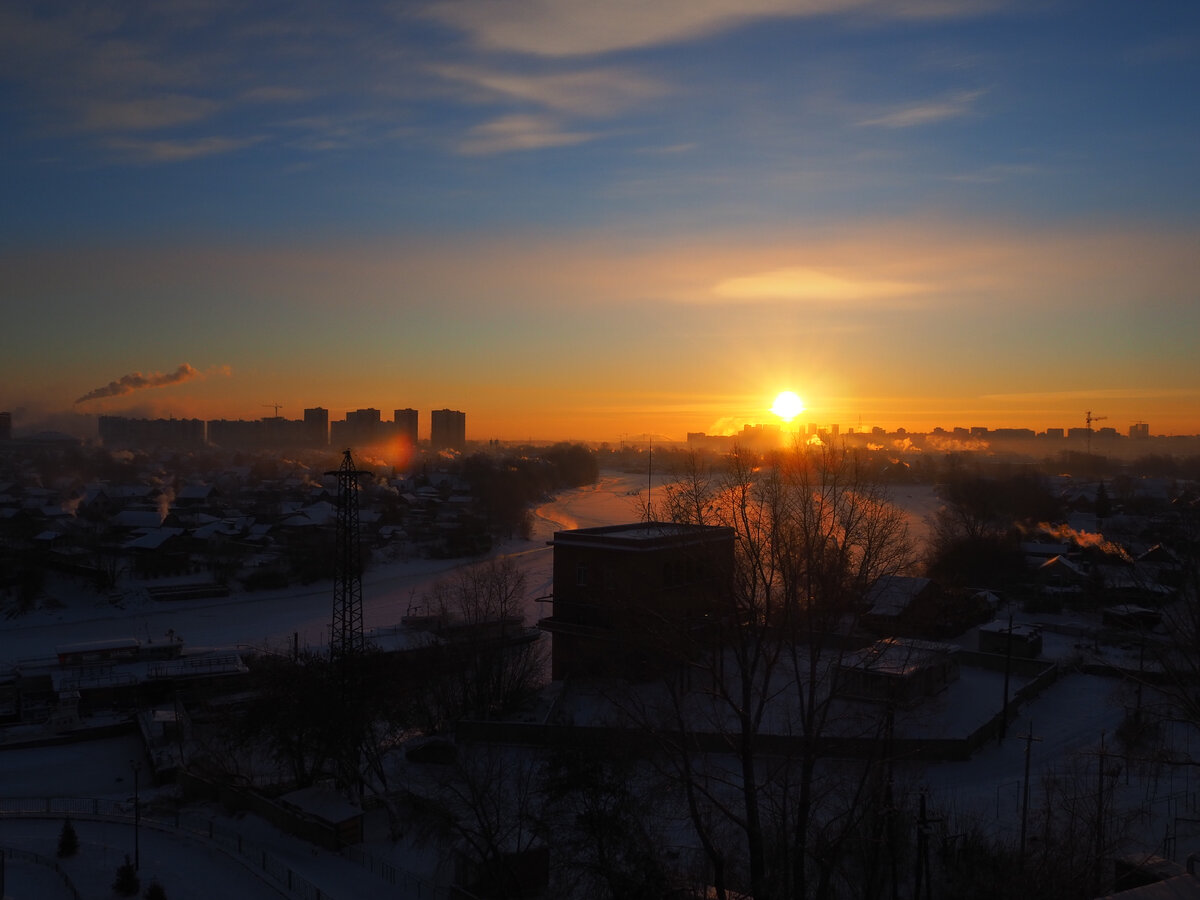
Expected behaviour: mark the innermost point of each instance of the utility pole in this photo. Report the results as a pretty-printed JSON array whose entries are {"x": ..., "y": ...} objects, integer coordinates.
[
  {"x": 137, "y": 815},
  {"x": 1003, "y": 732},
  {"x": 1101, "y": 774},
  {"x": 1029, "y": 739},
  {"x": 923, "y": 875}
]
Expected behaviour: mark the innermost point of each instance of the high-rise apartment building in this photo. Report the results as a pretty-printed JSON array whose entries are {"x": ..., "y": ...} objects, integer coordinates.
[
  {"x": 362, "y": 428},
  {"x": 447, "y": 429},
  {"x": 405, "y": 421},
  {"x": 5, "y": 426},
  {"x": 316, "y": 427}
]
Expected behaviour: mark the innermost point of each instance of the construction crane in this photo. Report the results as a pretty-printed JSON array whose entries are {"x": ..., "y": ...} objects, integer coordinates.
[
  {"x": 278, "y": 406},
  {"x": 1090, "y": 419}
]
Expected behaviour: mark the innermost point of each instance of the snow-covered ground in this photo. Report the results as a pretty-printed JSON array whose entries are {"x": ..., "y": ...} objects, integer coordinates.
[
  {"x": 1068, "y": 718},
  {"x": 186, "y": 865}
]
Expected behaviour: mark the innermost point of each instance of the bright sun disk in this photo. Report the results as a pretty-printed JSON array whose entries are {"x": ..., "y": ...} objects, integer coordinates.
[{"x": 787, "y": 406}]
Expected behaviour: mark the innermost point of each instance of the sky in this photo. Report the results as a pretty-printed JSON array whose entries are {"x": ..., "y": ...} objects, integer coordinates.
[{"x": 585, "y": 220}]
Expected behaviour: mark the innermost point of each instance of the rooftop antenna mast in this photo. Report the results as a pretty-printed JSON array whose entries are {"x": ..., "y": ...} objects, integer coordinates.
[{"x": 346, "y": 634}]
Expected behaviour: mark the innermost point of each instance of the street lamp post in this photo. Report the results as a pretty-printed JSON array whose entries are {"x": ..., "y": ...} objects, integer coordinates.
[{"x": 137, "y": 815}]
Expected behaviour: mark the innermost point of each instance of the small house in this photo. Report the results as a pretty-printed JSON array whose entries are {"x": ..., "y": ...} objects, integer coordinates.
[{"x": 899, "y": 671}]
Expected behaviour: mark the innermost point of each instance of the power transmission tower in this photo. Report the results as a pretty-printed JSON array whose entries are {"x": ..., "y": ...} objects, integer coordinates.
[
  {"x": 346, "y": 635},
  {"x": 347, "y": 645}
]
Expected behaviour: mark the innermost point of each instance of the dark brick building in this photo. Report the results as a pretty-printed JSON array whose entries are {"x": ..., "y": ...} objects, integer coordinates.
[{"x": 630, "y": 599}]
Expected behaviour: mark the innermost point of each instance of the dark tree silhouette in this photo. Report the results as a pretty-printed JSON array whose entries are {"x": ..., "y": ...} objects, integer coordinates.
[
  {"x": 127, "y": 882},
  {"x": 68, "y": 840}
]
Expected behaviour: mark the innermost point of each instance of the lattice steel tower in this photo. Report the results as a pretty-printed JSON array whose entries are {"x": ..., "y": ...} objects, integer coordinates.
[{"x": 346, "y": 636}]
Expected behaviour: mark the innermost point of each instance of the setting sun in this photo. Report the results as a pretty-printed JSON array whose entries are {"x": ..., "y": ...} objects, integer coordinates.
[{"x": 787, "y": 406}]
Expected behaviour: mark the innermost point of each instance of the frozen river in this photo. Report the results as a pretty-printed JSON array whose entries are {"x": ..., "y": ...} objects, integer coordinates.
[{"x": 275, "y": 618}]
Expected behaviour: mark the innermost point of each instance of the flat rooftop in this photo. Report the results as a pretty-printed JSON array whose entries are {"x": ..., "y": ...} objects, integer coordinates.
[{"x": 642, "y": 535}]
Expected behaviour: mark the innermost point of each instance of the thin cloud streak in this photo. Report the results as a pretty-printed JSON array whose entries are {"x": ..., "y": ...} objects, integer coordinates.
[
  {"x": 560, "y": 28},
  {"x": 801, "y": 285},
  {"x": 589, "y": 92},
  {"x": 146, "y": 113},
  {"x": 926, "y": 113},
  {"x": 518, "y": 132},
  {"x": 168, "y": 151}
]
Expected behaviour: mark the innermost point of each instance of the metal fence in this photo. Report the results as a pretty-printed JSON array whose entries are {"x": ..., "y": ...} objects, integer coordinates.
[
  {"x": 12, "y": 853},
  {"x": 252, "y": 855}
]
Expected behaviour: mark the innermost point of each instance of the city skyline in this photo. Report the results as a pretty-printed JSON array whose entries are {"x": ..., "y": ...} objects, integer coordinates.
[
  {"x": 578, "y": 224},
  {"x": 446, "y": 429}
]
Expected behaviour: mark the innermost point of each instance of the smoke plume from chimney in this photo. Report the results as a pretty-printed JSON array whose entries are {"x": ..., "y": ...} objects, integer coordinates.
[{"x": 136, "y": 381}]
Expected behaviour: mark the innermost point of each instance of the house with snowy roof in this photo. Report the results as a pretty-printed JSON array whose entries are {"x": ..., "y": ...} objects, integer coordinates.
[{"x": 902, "y": 604}]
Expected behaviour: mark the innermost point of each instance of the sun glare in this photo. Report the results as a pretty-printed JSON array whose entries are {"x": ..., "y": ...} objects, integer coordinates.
[{"x": 787, "y": 406}]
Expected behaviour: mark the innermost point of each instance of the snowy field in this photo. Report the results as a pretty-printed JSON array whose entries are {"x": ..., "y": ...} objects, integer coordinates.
[
  {"x": 1068, "y": 718},
  {"x": 188, "y": 866}
]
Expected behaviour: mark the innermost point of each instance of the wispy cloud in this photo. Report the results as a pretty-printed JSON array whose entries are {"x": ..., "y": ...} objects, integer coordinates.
[
  {"x": 145, "y": 113},
  {"x": 142, "y": 83},
  {"x": 801, "y": 285},
  {"x": 671, "y": 149},
  {"x": 519, "y": 132},
  {"x": 276, "y": 93},
  {"x": 995, "y": 174},
  {"x": 588, "y": 92},
  {"x": 584, "y": 27},
  {"x": 927, "y": 113},
  {"x": 168, "y": 151}
]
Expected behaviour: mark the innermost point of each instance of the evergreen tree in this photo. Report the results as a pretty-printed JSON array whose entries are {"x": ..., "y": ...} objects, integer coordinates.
[
  {"x": 155, "y": 891},
  {"x": 68, "y": 840},
  {"x": 127, "y": 882}
]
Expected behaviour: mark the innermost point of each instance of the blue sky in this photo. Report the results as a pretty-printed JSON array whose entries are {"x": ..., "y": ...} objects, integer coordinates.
[{"x": 580, "y": 219}]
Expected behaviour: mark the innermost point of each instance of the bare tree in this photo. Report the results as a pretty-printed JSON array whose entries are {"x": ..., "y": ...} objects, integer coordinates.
[
  {"x": 812, "y": 534},
  {"x": 604, "y": 807},
  {"x": 483, "y": 661},
  {"x": 488, "y": 593},
  {"x": 1076, "y": 828},
  {"x": 489, "y": 808}
]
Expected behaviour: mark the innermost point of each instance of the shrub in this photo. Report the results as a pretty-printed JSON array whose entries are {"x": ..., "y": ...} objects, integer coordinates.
[
  {"x": 68, "y": 840},
  {"x": 127, "y": 881}
]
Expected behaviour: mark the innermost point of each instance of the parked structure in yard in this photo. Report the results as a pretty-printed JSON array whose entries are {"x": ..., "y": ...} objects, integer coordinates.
[
  {"x": 900, "y": 672},
  {"x": 1004, "y": 638}
]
